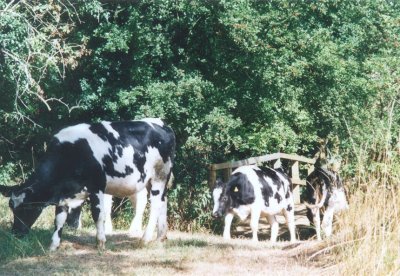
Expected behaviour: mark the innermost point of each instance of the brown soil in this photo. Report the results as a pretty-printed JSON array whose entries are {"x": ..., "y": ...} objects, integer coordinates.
[{"x": 181, "y": 254}]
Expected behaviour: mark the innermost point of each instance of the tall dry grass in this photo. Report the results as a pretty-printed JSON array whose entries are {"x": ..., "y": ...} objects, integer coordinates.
[{"x": 368, "y": 234}]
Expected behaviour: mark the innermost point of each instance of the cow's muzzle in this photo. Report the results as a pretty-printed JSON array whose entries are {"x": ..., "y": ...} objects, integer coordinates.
[{"x": 216, "y": 215}]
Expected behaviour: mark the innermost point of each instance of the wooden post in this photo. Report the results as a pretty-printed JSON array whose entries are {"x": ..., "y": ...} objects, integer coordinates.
[
  {"x": 295, "y": 177},
  {"x": 226, "y": 174},
  {"x": 212, "y": 177}
]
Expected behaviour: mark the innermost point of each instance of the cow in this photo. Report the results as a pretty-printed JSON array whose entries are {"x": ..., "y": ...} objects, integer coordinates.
[
  {"x": 255, "y": 191},
  {"x": 91, "y": 160},
  {"x": 324, "y": 196}
]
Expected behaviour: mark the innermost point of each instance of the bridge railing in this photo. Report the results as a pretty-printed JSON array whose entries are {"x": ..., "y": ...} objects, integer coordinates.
[{"x": 276, "y": 159}]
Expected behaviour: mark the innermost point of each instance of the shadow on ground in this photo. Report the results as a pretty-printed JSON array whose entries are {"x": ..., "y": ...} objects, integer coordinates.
[{"x": 303, "y": 229}]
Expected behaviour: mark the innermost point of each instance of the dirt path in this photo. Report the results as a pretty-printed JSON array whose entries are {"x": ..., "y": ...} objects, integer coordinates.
[{"x": 181, "y": 254}]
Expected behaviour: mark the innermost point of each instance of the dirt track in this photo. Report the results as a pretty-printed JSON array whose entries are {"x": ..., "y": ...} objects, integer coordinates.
[{"x": 181, "y": 254}]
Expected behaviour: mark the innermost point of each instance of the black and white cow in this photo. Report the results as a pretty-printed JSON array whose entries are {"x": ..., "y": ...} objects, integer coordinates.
[
  {"x": 91, "y": 160},
  {"x": 325, "y": 195},
  {"x": 256, "y": 191}
]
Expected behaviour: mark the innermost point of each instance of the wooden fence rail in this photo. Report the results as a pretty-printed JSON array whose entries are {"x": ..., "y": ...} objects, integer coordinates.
[{"x": 276, "y": 158}]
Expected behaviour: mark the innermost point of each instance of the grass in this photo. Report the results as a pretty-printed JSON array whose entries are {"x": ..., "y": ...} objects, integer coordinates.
[{"x": 370, "y": 233}]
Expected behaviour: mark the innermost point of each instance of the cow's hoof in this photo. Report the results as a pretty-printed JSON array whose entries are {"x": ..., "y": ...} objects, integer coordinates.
[
  {"x": 101, "y": 245},
  {"x": 53, "y": 248},
  {"x": 162, "y": 238}
]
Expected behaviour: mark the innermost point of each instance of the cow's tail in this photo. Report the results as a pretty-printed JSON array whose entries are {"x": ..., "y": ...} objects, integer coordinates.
[
  {"x": 170, "y": 180},
  {"x": 321, "y": 202}
]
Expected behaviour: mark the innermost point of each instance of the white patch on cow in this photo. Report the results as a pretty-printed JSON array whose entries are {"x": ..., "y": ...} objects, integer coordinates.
[
  {"x": 216, "y": 195},
  {"x": 17, "y": 200},
  {"x": 110, "y": 129},
  {"x": 77, "y": 201},
  {"x": 101, "y": 236},
  {"x": 243, "y": 211},
  {"x": 151, "y": 121},
  {"x": 125, "y": 160},
  {"x": 338, "y": 200},
  {"x": 55, "y": 240},
  {"x": 108, "y": 228}
]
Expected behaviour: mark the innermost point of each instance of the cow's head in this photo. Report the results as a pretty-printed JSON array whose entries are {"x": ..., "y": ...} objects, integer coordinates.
[
  {"x": 25, "y": 210},
  {"x": 222, "y": 200}
]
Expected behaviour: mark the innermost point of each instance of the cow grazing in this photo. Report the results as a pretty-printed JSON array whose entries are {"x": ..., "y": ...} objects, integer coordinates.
[
  {"x": 325, "y": 195},
  {"x": 256, "y": 191},
  {"x": 91, "y": 160}
]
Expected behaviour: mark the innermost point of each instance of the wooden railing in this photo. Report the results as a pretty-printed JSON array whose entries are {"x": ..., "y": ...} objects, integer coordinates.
[{"x": 276, "y": 159}]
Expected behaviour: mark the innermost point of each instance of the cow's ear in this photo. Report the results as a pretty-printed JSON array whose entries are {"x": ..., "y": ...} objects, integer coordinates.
[{"x": 7, "y": 190}]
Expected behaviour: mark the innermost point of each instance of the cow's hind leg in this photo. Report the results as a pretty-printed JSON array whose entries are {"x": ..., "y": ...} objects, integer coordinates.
[
  {"x": 274, "y": 227},
  {"x": 289, "y": 215},
  {"x": 158, "y": 211},
  {"x": 61, "y": 217},
  {"x": 98, "y": 214},
  {"x": 254, "y": 220},
  {"x": 139, "y": 200}
]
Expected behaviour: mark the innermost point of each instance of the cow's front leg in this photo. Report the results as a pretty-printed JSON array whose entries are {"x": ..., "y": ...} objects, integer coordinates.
[
  {"x": 61, "y": 217},
  {"x": 254, "y": 220},
  {"x": 227, "y": 226},
  {"x": 139, "y": 200},
  {"x": 327, "y": 221},
  {"x": 108, "y": 228},
  {"x": 317, "y": 222},
  {"x": 274, "y": 227},
  {"x": 98, "y": 214},
  {"x": 158, "y": 211}
]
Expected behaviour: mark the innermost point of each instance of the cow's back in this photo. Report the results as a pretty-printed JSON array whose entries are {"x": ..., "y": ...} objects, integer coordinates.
[
  {"x": 123, "y": 156},
  {"x": 271, "y": 188}
]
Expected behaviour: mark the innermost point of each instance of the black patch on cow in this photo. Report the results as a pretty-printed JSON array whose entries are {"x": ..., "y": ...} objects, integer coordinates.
[
  {"x": 273, "y": 174},
  {"x": 73, "y": 217},
  {"x": 164, "y": 193},
  {"x": 155, "y": 192},
  {"x": 266, "y": 189},
  {"x": 94, "y": 202},
  {"x": 278, "y": 197},
  {"x": 289, "y": 208},
  {"x": 100, "y": 130},
  {"x": 319, "y": 179},
  {"x": 140, "y": 159},
  {"x": 287, "y": 193},
  {"x": 240, "y": 190}
]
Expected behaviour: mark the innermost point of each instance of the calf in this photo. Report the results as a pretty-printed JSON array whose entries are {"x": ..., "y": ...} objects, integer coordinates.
[
  {"x": 256, "y": 191},
  {"x": 90, "y": 160},
  {"x": 325, "y": 195}
]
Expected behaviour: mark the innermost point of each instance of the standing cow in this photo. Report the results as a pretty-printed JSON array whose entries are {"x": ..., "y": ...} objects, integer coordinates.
[
  {"x": 256, "y": 191},
  {"x": 325, "y": 195},
  {"x": 89, "y": 160}
]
